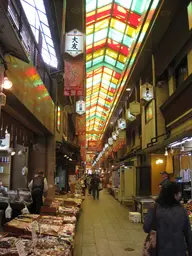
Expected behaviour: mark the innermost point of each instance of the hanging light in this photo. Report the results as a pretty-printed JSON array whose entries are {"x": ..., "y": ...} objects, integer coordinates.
[
  {"x": 182, "y": 148},
  {"x": 13, "y": 153},
  {"x": 7, "y": 84},
  {"x": 172, "y": 151},
  {"x": 166, "y": 152}
]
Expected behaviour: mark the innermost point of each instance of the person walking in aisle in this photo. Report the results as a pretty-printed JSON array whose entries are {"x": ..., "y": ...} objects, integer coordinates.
[
  {"x": 38, "y": 186},
  {"x": 95, "y": 186},
  {"x": 89, "y": 178},
  {"x": 171, "y": 223}
]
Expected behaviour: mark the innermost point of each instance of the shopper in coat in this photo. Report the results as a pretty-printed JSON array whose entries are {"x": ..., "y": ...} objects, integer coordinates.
[
  {"x": 95, "y": 186},
  {"x": 38, "y": 186},
  {"x": 172, "y": 223}
]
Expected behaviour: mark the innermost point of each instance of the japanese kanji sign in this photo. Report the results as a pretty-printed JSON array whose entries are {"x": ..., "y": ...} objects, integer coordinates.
[
  {"x": 80, "y": 107},
  {"x": 74, "y": 42},
  {"x": 73, "y": 81}
]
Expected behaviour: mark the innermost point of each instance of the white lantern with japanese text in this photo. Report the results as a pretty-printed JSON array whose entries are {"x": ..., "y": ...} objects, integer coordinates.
[
  {"x": 114, "y": 136},
  {"x": 135, "y": 108},
  {"x": 130, "y": 117},
  {"x": 106, "y": 146},
  {"x": 147, "y": 92},
  {"x": 74, "y": 42},
  {"x": 110, "y": 141},
  {"x": 80, "y": 107},
  {"x": 121, "y": 123}
]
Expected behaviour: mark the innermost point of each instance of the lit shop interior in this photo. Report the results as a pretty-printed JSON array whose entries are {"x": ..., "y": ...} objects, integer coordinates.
[{"x": 176, "y": 161}]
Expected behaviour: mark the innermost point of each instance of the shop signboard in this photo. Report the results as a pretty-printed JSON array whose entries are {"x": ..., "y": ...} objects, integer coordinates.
[
  {"x": 74, "y": 42},
  {"x": 73, "y": 78},
  {"x": 5, "y": 143},
  {"x": 135, "y": 108},
  {"x": 80, "y": 107},
  {"x": 121, "y": 123},
  {"x": 147, "y": 92}
]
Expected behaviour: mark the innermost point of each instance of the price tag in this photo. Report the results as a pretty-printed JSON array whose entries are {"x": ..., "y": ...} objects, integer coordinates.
[
  {"x": 20, "y": 248},
  {"x": 34, "y": 234}
]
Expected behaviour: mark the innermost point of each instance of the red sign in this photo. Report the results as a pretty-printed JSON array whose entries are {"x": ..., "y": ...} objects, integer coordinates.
[
  {"x": 94, "y": 145},
  {"x": 73, "y": 81},
  {"x": 80, "y": 125}
]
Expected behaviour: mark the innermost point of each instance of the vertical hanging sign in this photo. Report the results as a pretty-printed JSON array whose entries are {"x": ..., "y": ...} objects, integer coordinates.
[
  {"x": 73, "y": 81},
  {"x": 74, "y": 42}
]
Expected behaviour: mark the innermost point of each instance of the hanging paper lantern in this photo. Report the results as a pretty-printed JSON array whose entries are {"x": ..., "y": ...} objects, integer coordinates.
[
  {"x": 130, "y": 117},
  {"x": 147, "y": 92},
  {"x": 135, "y": 108},
  {"x": 110, "y": 141},
  {"x": 121, "y": 124}
]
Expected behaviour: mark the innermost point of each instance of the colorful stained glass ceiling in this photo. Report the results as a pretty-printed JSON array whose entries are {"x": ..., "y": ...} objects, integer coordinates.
[{"x": 115, "y": 30}]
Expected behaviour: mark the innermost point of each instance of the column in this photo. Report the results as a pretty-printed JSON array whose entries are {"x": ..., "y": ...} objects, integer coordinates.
[{"x": 50, "y": 165}]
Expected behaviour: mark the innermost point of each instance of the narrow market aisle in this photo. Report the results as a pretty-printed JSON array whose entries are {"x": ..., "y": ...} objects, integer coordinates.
[{"x": 104, "y": 229}]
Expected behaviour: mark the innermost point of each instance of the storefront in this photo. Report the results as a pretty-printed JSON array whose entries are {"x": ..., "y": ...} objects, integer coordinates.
[{"x": 16, "y": 142}]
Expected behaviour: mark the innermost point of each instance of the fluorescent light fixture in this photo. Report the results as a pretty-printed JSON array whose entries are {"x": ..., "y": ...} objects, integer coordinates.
[{"x": 178, "y": 143}]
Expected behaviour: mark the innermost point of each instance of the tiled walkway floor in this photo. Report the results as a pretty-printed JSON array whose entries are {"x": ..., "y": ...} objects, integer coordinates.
[{"x": 104, "y": 229}]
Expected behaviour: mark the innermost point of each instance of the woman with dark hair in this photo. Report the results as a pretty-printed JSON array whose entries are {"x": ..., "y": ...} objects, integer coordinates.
[{"x": 171, "y": 223}]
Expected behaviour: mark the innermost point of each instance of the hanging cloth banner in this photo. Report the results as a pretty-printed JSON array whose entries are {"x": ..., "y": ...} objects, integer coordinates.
[
  {"x": 80, "y": 125},
  {"x": 73, "y": 81},
  {"x": 94, "y": 145}
]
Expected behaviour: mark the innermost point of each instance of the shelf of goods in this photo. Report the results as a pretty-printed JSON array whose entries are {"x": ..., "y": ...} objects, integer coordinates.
[
  {"x": 46, "y": 246},
  {"x": 55, "y": 234},
  {"x": 188, "y": 207}
]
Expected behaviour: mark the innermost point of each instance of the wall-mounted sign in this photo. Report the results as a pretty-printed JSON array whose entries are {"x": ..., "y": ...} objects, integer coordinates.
[
  {"x": 5, "y": 143},
  {"x": 114, "y": 136},
  {"x": 74, "y": 42},
  {"x": 146, "y": 92},
  {"x": 121, "y": 124},
  {"x": 110, "y": 141},
  {"x": 135, "y": 108},
  {"x": 130, "y": 117},
  {"x": 149, "y": 112},
  {"x": 80, "y": 107}
]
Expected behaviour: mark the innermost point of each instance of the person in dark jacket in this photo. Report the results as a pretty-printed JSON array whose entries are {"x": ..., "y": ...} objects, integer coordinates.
[
  {"x": 38, "y": 186},
  {"x": 95, "y": 186},
  {"x": 165, "y": 179},
  {"x": 174, "y": 236}
]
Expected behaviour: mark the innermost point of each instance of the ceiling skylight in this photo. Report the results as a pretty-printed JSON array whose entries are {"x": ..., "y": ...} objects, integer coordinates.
[
  {"x": 115, "y": 30},
  {"x": 36, "y": 15}
]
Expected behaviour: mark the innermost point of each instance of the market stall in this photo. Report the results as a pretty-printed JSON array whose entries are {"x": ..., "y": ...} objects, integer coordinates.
[{"x": 51, "y": 233}]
